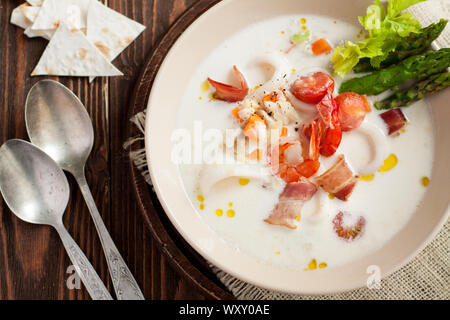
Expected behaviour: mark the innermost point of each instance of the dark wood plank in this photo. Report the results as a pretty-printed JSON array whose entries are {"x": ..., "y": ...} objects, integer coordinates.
[
  {"x": 33, "y": 263},
  {"x": 157, "y": 15},
  {"x": 33, "y": 257}
]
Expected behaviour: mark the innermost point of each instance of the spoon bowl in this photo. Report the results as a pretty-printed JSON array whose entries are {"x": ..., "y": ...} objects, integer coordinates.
[
  {"x": 35, "y": 188},
  {"x": 59, "y": 124}
]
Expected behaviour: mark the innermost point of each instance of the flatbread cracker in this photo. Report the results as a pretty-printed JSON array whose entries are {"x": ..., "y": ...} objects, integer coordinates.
[
  {"x": 29, "y": 12},
  {"x": 46, "y": 34},
  {"x": 54, "y": 12},
  {"x": 24, "y": 16},
  {"x": 110, "y": 31},
  {"x": 18, "y": 19},
  {"x": 70, "y": 53}
]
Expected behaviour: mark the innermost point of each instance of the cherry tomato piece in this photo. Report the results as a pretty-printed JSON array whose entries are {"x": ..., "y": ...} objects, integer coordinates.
[
  {"x": 313, "y": 88},
  {"x": 352, "y": 110}
]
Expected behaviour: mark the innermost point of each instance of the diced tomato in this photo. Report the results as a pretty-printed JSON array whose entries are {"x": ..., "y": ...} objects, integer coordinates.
[
  {"x": 308, "y": 168},
  {"x": 312, "y": 89},
  {"x": 352, "y": 110},
  {"x": 321, "y": 46},
  {"x": 229, "y": 93}
]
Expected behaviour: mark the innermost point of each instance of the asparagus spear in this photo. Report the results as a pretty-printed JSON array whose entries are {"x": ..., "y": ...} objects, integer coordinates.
[
  {"x": 417, "y": 67},
  {"x": 415, "y": 43},
  {"x": 435, "y": 83}
]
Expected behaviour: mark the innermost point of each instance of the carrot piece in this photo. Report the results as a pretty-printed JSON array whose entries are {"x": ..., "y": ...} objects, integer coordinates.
[
  {"x": 284, "y": 132},
  {"x": 235, "y": 113},
  {"x": 272, "y": 97},
  {"x": 321, "y": 46}
]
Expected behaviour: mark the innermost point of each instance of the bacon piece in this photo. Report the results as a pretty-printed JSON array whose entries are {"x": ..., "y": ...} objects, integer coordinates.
[
  {"x": 229, "y": 93},
  {"x": 348, "y": 233},
  {"x": 338, "y": 180},
  {"x": 291, "y": 203},
  {"x": 394, "y": 119},
  {"x": 303, "y": 190},
  {"x": 345, "y": 193},
  {"x": 285, "y": 213}
]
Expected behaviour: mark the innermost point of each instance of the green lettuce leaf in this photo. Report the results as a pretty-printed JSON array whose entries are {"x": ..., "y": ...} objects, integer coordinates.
[
  {"x": 402, "y": 25},
  {"x": 373, "y": 19},
  {"x": 396, "y": 7},
  {"x": 386, "y": 28},
  {"x": 345, "y": 58}
]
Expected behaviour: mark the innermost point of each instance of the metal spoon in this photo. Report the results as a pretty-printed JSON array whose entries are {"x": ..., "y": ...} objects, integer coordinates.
[
  {"x": 59, "y": 124},
  {"x": 36, "y": 190}
]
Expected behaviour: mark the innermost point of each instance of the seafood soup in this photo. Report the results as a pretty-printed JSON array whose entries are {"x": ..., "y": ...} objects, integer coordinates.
[{"x": 290, "y": 171}]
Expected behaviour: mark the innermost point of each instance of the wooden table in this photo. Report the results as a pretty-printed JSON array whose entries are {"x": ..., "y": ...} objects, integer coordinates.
[{"x": 33, "y": 264}]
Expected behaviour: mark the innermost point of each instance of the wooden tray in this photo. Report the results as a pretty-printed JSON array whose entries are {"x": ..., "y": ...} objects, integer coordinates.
[{"x": 182, "y": 257}]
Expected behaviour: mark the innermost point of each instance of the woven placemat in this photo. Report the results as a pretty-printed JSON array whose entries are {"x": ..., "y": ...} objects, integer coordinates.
[{"x": 427, "y": 277}]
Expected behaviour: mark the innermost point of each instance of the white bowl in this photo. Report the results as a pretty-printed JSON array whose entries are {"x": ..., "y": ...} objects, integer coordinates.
[{"x": 198, "y": 41}]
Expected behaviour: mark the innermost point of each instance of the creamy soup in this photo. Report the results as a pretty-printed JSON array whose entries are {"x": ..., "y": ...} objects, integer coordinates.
[{"x": 236, "y": 199}]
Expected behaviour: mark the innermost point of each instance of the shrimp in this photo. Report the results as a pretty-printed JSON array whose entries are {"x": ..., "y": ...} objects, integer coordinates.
[
  {"x": 329, "y": 115},
  {"x": 306, "y": 152},
  {"x": 348, "y": 233}
]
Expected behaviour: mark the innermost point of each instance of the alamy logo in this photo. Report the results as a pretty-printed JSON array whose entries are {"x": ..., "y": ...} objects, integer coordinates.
[{"x": 73, "y": 282}]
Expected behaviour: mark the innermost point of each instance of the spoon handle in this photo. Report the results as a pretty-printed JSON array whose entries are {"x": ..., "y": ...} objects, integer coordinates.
[
  {"x": 125, "y": 285},
  {"x": 83, "y": 267}
]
